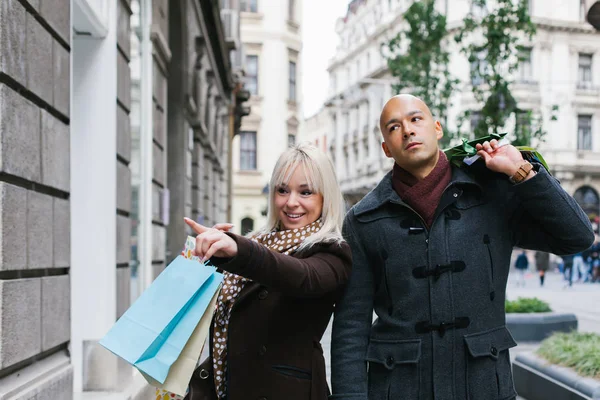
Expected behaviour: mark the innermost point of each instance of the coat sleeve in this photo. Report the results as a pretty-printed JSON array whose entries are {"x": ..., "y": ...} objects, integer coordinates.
[
  {"x": 352, "y": 325},
  {"x": 323, "y": 272},
  {"x": 548, "y": 218}
]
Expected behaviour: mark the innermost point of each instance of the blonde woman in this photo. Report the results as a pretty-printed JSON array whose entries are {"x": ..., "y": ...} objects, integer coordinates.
[{"x": 280, "y": 287}]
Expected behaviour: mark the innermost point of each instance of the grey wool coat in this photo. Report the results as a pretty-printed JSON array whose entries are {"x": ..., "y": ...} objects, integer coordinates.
[{"x": 438, "y": 292}]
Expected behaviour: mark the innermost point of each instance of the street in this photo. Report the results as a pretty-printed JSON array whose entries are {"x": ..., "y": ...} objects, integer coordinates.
[{"x": 580, "y": 299}]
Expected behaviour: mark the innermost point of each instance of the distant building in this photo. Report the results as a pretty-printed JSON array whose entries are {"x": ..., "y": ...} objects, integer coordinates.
[
  {"x": 560, "y": 69},
  {"x": 271, "y": 33}
]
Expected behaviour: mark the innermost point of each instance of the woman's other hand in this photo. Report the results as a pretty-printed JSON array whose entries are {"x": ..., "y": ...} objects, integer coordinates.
[{"x": 212, "y": 241}]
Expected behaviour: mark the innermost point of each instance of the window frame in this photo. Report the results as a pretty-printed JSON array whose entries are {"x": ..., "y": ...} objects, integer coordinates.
[
  {"x": 292, "y": 82},
  {"x": 248, "y": 156},
  {"x": 584, "y": 72},
  {"x": 250, "y": 6},
  {"x": 584, "y": 139},
  {"x": 291, "y": 10},
  {"x": 252, "y": 77},
  {"x": 525, "y": 74}
]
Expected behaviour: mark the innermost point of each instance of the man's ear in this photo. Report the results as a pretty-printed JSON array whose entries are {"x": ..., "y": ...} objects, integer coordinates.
[
  {"x": 439, "y": 131},
  {"x": 387, "y": 152}
]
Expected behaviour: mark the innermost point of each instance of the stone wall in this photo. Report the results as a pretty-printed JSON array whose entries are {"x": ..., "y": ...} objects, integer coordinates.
[
  {"x": 198, "y": 120},
  {"x": 161, "y": 57},
  {"x": 123, "y": 157},
  {"x": 34, "y": 199}
]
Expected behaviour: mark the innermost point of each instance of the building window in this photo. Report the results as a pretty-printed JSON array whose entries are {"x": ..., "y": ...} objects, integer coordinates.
[
  {"x": 292, "y": 77},
  {"x": 478, "y": 9},
  {"x": 247, "y": 150},
  {"x": 522, "y": 122},
  {"x": 584, "y": 132},
  {"x": 582, "y": 10},
  {"x": 589, "y": 201},
  {"x": 291, "y": 140},
  {"x": 530, "y": 7},
  {"x": 252, "y": 74},
  {"x": 247, "y": 225},
  {"x": 249, "y": 5},
  {"x": 476, "y": 118},
  {"x": 524, "y": 72},
  {"x": 291, "y": 9},
  {"x": 585, "y": 71},
  {"x": 478, "y": 68}
]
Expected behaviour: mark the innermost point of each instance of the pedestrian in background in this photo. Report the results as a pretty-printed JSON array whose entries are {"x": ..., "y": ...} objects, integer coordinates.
[
  {"x": 542, "y": 263},
  {"x": 279, "y": 290},
  {"x": 521, "y": 264},
  {"x": 580, "y": 267},
  {"x": 568, "y": 269}
]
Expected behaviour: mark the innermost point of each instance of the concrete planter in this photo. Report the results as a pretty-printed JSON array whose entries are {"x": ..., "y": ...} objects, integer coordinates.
[
  {"x": 537, "y": 379},
  {"x": 535, "y": 327}
]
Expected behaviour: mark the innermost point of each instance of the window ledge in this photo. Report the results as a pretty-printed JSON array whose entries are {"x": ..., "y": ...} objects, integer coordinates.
[
  {"x": 526, "y": 82},
  {"x": 293, "y": 26},
  {"x": 249, "y": 172},
  {"x": 587, "y": 88},
  {"x": 254, "y": 16}
]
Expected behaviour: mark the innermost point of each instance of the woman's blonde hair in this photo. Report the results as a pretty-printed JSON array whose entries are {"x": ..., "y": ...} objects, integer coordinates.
[{"x": 321, "y": 178}]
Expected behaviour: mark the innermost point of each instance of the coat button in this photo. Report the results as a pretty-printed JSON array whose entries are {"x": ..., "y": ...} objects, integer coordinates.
[
  {"x": 263, "y": 294},
  {"x": 389, "y": 361},
  {"x": 455, "y": 195},
  {"x": 262, "y": 351},
  {"x": 494, "y": 351}
]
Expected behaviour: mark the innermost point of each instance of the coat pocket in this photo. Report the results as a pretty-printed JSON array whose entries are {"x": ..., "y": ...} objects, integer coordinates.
[
  {"x": 488, "y": 373},
  {"x": 394, "y": 369},
  {"x": 487, "y": 243}
]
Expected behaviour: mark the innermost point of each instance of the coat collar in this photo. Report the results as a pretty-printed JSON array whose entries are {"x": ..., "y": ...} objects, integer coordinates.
[{"x": 384, "y": 192}]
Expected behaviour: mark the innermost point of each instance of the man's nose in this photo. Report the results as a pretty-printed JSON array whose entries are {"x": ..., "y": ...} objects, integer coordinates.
[{"x": 408, "y": 132}]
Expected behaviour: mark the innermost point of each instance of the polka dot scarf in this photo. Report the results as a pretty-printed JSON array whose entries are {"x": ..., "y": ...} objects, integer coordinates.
[{"x": 284, "y": 242}]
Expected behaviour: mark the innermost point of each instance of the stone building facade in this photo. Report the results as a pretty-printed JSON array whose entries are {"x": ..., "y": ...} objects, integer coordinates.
[
  {"x": 558, "y": 76},
  {"x": 116, "y": 118},
  {"x": 35, "y": 127},
  {"x": 272, "y": 41}
]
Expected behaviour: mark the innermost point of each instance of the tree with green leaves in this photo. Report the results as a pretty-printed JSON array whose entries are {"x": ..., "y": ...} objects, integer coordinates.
[
  {"x": 492, "y": 42},
  {"x": 417, "y": 56}
]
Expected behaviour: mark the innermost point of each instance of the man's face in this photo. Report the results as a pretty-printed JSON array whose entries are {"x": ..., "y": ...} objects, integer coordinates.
[{"x": 410, "y": 133}]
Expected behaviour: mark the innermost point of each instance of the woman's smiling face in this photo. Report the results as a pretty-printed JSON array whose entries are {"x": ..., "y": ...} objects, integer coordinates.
[{"x": 296, "y": 204}]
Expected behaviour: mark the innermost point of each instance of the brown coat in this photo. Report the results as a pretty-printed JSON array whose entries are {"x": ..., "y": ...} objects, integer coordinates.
[{"x": 277, "y": 322}]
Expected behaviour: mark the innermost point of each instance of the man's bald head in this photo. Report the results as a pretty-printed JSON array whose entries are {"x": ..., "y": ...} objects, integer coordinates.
[
  {"x": 410, "y": 134},
  {"x": 402, "y": 100}
]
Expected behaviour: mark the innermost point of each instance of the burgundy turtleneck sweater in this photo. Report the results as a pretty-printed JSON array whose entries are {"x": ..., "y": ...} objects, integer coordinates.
[{"x": 423, "y": 196}]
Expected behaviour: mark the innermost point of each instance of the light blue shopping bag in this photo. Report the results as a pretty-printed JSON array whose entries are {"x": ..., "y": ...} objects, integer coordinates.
[{"x": 154, "y": 330}]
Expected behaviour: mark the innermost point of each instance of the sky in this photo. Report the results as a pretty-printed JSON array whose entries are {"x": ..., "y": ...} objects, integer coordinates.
[{"x": 319, "y": 43}]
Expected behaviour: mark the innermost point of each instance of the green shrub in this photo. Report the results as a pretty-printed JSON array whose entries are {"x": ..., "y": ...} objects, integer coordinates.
[
  {"x": 580, "y": 351},
  {"x": 526, "y": 305}
]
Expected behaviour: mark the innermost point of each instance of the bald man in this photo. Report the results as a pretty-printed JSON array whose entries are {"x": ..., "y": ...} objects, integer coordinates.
[{"x": 431, "y": 247}]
